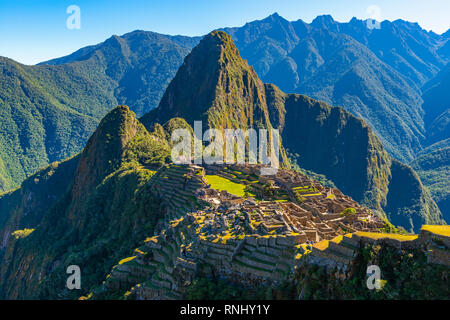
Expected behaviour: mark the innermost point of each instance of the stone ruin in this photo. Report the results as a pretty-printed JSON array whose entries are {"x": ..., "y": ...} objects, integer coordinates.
[{"x": 320, "y": 215}]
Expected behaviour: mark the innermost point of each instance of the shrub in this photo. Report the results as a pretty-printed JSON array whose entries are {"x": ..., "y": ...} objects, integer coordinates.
[{"x": 348, "y": 211}]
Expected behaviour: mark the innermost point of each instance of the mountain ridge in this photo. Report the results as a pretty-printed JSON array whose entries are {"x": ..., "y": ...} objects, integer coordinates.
[
  {"x": 107, "y": 202},
  {"x": 390, "y": 104},
  {"x": 233, "y": 94},
  {"x": 288, "y": 53}
]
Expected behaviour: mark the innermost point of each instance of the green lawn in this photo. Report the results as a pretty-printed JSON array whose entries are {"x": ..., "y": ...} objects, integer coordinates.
[{"x": 221, "y": 183}]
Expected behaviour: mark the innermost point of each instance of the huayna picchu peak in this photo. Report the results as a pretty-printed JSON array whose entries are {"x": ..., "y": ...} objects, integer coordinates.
[
  {"x": 216, "y": 85},
  {"x": 141, "y": 225}
]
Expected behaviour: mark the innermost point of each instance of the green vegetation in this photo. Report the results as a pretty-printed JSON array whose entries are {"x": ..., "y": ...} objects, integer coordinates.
[
  {"x": 20, "y": 234},
  {"x": 339, "y": 146},
  {"x": 94, "y": 209},
  {"x": 52, "y": 180},
  {"x": 204, "y": 288},
  {"x": 220, "y": 183},
  {"x": 403, "y": 274},
  {"x": 436, "y": 104},
  {"x": 46, "y": 114},
  {"x": 433, "y": 167},
  {"x": 376, "y": 235},
  {"x": 48, "y": 111},
  {"x": 102, "y": 214},
  {"x": 294, "y": 160},
  {"x": 325, "y": 58},
  {"x": 414, "y": 209},
  {"x": 348, "y": 211},
  {"x": 301, "y": 193},
  {"x": 390, "y": 228}
]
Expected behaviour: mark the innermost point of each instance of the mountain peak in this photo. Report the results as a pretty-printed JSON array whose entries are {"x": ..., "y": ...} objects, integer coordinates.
[
  {"x": 104, "y": 150},
  {"x": 356, "y": 22},
  {"x": 220, "y": 36},
  {"x": 323, "y": 21},
  {"x": 213, "y": 80},
  {"x": 407, "y": 24},
  {"x": 274, "y": 16}
]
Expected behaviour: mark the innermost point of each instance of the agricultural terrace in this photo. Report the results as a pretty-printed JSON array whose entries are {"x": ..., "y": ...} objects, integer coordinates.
[{"x": 221, "y": 183}]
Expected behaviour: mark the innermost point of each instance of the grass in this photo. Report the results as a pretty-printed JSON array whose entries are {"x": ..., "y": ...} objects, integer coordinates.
[
  {"x": 305, "y": 189},
  {"x": 374, "y": 235},
  {"x": 20, "y": 234},
  {"x": 127, "y": 260},
  {"x": 221, "y": 183},
  {"x": 441, "y": 230},
  {"x": 338, "y": 239},
  {"x": 152, "y": 239},
  {"x": 322, "y": 245}
]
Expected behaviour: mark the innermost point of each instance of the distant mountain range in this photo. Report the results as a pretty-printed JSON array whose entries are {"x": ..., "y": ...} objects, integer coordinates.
[
  {"x": 391, "y": 77},
  {"x": 374, "y": 73}
]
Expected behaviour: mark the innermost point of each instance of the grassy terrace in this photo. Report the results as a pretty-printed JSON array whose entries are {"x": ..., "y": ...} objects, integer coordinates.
[
  {"x": 305, "y": 191},
  {"x": 440, "y": 230},
  {"x": 20, "y": 234},
  {"x": 229, "y": 179},
  {"x": 127, "y": 259},
  {"x": 220, "y": 183},
  {"x": 375, "y": 235},
  {"x": 324, "y": 244}
]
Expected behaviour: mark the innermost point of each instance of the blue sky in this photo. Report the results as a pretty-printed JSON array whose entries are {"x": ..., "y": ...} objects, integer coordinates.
[{"x": 32, "y": 31}]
